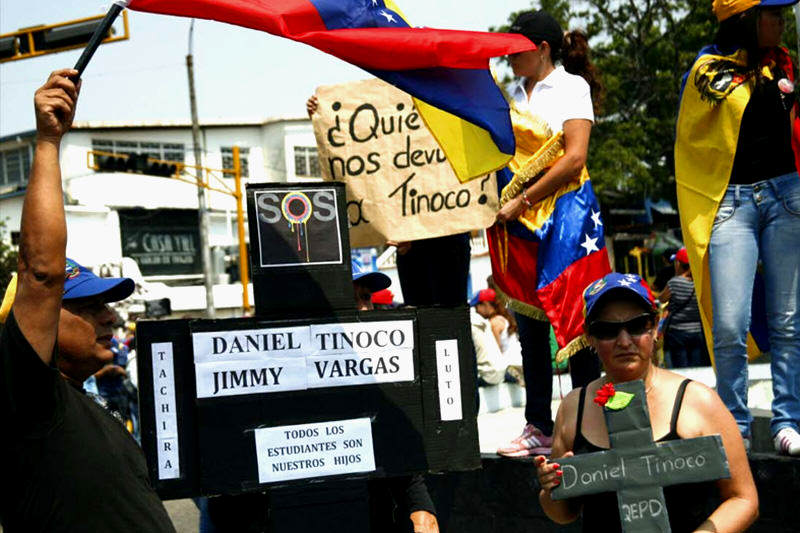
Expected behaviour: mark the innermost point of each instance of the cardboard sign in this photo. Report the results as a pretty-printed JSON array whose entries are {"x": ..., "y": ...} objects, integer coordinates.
[
  {"x": 252, "y": 361},
  {"x": 399, "y": 184},
  {"x": 449, "y": 391},
  {"x": 637, "y": 468},
  {"x": 299, "y": 248},
  {"x": 297, "y": 227},
  {"x": 314, "y": 450},
  {"x": 165, "y": 411},
  {"x": 231, "y": 381}
]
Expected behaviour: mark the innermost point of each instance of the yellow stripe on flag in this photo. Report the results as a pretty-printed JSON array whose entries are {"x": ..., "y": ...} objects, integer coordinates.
[{"x": 469, "y": 148}]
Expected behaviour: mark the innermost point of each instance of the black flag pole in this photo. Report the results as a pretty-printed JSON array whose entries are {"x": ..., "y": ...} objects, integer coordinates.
[{"x": 99, "y": 34}]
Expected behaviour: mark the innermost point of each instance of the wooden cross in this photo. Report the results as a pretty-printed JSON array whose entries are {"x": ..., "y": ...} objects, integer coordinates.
[{"x": 637, "y": 469}]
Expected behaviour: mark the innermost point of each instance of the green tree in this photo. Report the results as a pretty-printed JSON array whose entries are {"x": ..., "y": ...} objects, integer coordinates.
[
  {"x": 8, "y": 259},
  {"x": 641, "y": 48}
]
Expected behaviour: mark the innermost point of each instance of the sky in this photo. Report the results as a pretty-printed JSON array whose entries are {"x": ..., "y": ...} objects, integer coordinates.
[{"x": 239, "y": 73}]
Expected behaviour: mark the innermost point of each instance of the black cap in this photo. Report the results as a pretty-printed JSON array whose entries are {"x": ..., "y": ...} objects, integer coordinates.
[{"x": 539, "y": 26}]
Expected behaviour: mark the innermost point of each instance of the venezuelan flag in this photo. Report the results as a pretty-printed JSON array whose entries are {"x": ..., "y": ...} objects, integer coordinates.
[
  {"x": 542, "y": 263},
  {"x": 446, "y": 71},
  {"x": 705, "y": 146}
]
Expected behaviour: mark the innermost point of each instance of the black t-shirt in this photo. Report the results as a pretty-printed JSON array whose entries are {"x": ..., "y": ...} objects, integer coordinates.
[
  {"x": 65, "y": 464},
  {"x": 764, "y": 150}
]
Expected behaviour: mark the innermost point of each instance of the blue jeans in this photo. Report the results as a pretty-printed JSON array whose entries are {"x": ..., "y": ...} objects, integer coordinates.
[
  {"x": 686, "y": 349},
  {"x": 755, "y": 221}
]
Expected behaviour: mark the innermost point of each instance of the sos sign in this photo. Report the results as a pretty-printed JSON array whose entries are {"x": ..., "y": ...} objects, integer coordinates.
[{"x": 298, "y": 227}]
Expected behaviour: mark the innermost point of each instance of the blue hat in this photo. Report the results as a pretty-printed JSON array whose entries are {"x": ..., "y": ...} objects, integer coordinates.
[
  {"x": 374, "y": 281},
  {"x": 80, "y": 282},
  {"x": 776, "y": 3},
  {"x": 629, "y": 284},
  {"x": 485, "y": 295}
]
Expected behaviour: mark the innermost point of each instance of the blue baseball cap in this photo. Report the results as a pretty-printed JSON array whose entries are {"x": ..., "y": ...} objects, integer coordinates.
[
  {"x": 776, "y": 3},
  {"x": 630, "y": 285},
  {"x": 374, "y": 281},
  {"x": 80, "y": 282}
]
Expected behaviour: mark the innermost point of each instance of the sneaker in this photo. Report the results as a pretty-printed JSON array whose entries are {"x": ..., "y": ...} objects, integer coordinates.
[
  {"x": 787, "y": 442},
  {"x": 531, "y": 442},
  {"x": 515, "y": 373}
]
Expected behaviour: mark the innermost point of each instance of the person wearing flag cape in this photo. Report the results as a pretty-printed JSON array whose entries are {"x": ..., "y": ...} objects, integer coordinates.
[
  {"x": 548, "y": 243},
  {"x": 736, "y": 161}
]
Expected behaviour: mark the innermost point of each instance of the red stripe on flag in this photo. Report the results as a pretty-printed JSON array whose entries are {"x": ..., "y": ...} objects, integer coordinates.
[
  {"x": 371, "y": 48},
  {"x": 515, "y": 277},
  {"x": 563, "y": 298},
  {"x": 283, "y": 17}
]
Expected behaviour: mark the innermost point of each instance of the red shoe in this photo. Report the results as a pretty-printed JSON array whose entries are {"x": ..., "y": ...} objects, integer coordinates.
[{"x": 531, "y": 442}]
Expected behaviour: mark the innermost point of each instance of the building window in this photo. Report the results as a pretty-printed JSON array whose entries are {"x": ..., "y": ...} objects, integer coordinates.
[
  {"x": 15, "y": 165},
  {"x": 227, "y": 160},
  {"x": 306, "y": 161},
  {"x": 156, "y": 150}
]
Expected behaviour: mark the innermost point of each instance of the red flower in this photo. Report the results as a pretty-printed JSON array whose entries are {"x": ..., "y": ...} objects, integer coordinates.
[{"x": 604, "y": 393}]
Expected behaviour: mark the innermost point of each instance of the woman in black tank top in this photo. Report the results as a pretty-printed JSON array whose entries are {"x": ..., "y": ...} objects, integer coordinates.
[{"x": 620, "y": 326}]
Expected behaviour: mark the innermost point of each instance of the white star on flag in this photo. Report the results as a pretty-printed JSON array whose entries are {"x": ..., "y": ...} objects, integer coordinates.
[
  {"x": 389, "y": 16},
  {"x": 596, "y": 219},
  {"x": 625, "y": 283},
  {"x": 590, "y": 244},
  {"x": 374, "y": 3}
]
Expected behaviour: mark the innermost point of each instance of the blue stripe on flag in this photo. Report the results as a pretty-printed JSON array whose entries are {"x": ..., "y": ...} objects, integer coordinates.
[
  {"x": 563, "y": 234},
  {"x": 340, "y": 14},
  {"x": 470, "y": 94}
]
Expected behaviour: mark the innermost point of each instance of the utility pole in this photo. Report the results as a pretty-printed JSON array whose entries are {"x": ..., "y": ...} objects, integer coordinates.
[
  {"x": 243, "y": 259},
  {"x": 201, "y": 191}
]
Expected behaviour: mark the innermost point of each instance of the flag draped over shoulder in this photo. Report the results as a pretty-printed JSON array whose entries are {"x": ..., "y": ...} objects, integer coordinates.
[
  {"x": 714, "y": 95},
  {"x": 542, "y": 262},
  {"x": 446, "y": 71}
]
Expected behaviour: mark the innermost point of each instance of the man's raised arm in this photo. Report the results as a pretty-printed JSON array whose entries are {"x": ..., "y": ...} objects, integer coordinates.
[{"x": 43, "y": 232}]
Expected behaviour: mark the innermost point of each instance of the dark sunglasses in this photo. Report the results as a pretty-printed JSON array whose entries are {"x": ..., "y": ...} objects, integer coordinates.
[{"x": 636, "y": 326}]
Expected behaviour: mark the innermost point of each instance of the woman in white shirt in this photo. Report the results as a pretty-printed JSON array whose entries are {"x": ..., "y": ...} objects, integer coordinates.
[{"x": 557, "y": 85}]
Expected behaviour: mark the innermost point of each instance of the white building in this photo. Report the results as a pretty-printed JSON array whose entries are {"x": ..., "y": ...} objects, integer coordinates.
[
  {"x": 152, "y": 221},
  {"x": 113, "y": 214}
]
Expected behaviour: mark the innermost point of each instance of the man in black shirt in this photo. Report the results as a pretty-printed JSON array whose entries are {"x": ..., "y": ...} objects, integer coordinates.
[{"x": 66, "y": 464}]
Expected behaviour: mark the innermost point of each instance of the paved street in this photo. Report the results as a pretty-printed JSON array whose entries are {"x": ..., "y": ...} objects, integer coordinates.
[{"x": 184, "y": 515}]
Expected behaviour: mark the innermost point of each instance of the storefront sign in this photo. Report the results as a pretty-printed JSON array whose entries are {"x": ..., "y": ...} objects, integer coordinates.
[{"x": 162, "y": 241}]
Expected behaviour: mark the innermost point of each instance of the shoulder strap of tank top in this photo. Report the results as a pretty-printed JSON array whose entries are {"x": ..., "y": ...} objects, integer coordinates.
[
  {"x": 579, "y": 440},
  {"x": 676, "y": 409}
]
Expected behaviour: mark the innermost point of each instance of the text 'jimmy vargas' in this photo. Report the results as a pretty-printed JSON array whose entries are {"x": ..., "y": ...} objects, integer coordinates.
[{"x": 297, "y": 358}]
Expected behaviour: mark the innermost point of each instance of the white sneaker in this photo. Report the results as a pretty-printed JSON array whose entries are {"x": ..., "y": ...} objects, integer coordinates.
[{"x": 787, "y": 442}]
